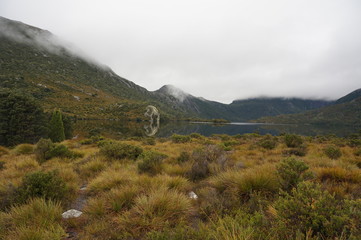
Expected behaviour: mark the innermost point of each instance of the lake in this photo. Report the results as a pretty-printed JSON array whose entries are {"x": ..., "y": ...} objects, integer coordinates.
[{"x": 120, "y": 129}]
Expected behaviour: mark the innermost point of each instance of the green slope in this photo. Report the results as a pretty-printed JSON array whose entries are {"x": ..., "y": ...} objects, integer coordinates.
[
  {"x": 348, "y": 112},
  {"x": 31, "y": 60}
]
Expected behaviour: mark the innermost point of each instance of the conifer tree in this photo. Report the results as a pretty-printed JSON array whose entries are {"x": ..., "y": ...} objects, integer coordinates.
[
  {"x": 56, "y": 127},
  {"x": 22, "y": 120}
]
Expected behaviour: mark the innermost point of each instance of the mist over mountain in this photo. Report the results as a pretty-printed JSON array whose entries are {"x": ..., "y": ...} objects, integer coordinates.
[
  {"x": 35, "y": 61},
  {"x": 344, "y": 111}
]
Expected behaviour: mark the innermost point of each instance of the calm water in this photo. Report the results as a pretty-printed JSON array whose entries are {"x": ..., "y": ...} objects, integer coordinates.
[{"x": 119, "y": 129}]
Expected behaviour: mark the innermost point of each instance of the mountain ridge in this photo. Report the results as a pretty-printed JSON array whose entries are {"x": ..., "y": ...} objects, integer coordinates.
[{"x": 32, "y": 61}]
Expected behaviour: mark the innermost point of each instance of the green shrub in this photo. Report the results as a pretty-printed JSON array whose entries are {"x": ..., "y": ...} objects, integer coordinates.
[
  {"x": 180, "y": 138},
  {"x": 290, "y": 171},
  {"x": 268, "y": 142},
  {"x": 309, "y": 210},
  {"x": 292, "y": 140},
  {"x": 332, "y": 152},
  {"x": 117, "y": 150},
  {"x": 196, "y": 136},
  {"x": 47, "y": 185},
  {"x": 24, "y": 149},
  {"x": 149, "y": 141},
  {"x": 41, "y": 148},
  {"x": 92, "y": 140},
  {"x": 58, "y": 150},
  {"x": 45, "y": 149},
  {"x": 150, "y": 162},
  {"x": 183, "y": 157},
  {"x": 298, "y": 151}
]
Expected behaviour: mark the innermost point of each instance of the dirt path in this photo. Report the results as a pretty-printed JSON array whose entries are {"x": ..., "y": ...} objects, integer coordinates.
[{"x": 78, "y": 204}]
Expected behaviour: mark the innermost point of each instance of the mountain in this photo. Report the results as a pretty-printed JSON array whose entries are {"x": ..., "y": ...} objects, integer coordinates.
[
  {"x": 350, "y": 97},
  {"x": 239, "y": 110},
  {"x": 344, "y": 111},
  {"x": 254, "y": 108},
  {"x": 35, "y": 61}
]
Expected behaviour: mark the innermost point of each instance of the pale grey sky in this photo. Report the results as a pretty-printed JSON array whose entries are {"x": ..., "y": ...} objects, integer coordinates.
[{"x": 220, "y": 50}]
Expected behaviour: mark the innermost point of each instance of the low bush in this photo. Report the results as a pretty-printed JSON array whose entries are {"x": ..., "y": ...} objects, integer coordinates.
[
  {"x": 183, "y": 157},
  {"x": 60, "y": 150},
  {"x": 92, "y": 140},
  {"x": 47, "y": 185},
  {"x": 45, "y": 149},
  {"x": 293, "y": 141},
  {"x": 38, "y": 219},
  {"x": 308, "y": 210},
  {"x": 117, "y": 150},
  {"x": 199, "y": 170},
  {"x": 196, "y": 136},
  {"x": 176, "y": 138},
  {"x": 150, "y": 162},
  {"x": 332, "y": 152},
  {"x": 300, "y": 151},
  {"x": 42, "y": 147},
  {"x": 268, "y": 142},
  {"x": 149, "y": 141},
  {"x": 290, "y": 171},
  {"x": 24, "y": 149}
]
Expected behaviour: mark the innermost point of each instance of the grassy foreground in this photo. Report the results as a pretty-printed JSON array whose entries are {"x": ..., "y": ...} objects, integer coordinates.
[{"x": 247, "y": 187}]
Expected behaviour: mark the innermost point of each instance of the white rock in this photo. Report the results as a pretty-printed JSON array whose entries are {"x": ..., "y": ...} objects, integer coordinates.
[
  {"x": 72, "y": 213},
  {"x": 192, "y": 195}
]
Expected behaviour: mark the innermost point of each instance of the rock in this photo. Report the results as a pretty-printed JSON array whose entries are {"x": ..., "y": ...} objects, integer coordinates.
[
  {"x": 192, "y": 195},
  {"x": 72, "y": 213}
]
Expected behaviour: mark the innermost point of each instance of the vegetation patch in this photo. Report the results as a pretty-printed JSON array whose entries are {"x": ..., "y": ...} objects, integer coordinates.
[
  {"x": 332, "y": 152},
  {"x": 117, "y": 150}
]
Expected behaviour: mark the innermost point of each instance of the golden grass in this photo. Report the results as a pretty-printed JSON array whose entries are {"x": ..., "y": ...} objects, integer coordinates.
[
  {"x": 243, "y": 183},
  {"x": 111, "y": 178},
  {"x": 125, "y": 204},
  {"x": 37, "y": 219},
  {"x": 155, "y": 211}
]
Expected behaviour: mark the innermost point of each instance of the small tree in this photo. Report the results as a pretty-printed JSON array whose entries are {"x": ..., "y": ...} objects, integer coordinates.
[
  {"x": 56, "y": 128},
  {"x": 22, "y": 119}
]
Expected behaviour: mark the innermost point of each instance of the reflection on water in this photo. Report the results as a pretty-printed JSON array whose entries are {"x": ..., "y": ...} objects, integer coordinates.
[
  {"x": 121, "y": 129},
  {"x": 154, "y": 118}
]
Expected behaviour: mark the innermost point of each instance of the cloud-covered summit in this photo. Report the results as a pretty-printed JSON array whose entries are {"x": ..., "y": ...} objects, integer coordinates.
[{"x": 222, "y": 50}]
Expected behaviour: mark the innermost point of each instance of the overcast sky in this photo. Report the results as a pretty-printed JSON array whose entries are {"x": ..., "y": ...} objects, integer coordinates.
[{"x": 220, "y": 50}]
